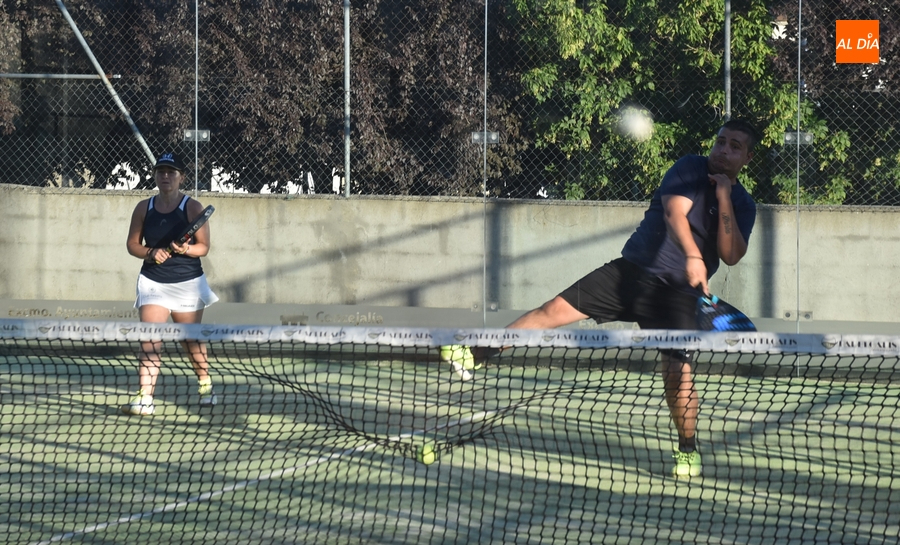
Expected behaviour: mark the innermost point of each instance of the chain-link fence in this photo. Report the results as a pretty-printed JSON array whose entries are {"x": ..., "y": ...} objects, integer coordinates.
[{"x": 517, "y": 98}]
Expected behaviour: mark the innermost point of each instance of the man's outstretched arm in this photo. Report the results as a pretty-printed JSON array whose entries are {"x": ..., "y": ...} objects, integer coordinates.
[{"x": 676, "y": 209}]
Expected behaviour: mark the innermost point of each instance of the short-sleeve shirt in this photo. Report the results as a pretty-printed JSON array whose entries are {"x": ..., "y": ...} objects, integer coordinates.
[
  {"x": 651, "y": 247},
  {"x": 161, "y": 229}
]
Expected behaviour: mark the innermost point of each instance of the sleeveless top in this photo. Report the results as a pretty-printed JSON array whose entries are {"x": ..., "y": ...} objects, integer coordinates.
[{"x": 161, "y": 229}]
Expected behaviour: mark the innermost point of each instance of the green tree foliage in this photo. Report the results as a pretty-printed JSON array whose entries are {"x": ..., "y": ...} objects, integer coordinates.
[
  {"x": 269, "y": 82},
  {"x": 24, "y": 27},
  {"x": 558, "y": 73},
  {"x": 419, "y": 94},
  {"x": 9, "y": 42},
  {"x": 590, "y": 58},
  {"x": 271, "y": 88},
  {"x": 850, "y": 109}
]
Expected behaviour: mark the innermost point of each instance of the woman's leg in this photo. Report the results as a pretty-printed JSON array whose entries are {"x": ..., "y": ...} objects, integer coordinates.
[
  {"x": 150, "y": 350},
  {"x": 196, "y": 350}
]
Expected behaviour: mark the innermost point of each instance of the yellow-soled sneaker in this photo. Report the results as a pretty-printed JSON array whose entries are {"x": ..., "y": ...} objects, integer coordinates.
[
  {"x": 460, "y": 359},
  {"x": 207, "y": 395},
  {"x": 687, "y": 465}
]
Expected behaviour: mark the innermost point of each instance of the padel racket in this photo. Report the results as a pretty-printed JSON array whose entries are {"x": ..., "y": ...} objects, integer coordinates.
[
  {"x": 714, "y": 314},
  {"x": 196, "y": 225}
]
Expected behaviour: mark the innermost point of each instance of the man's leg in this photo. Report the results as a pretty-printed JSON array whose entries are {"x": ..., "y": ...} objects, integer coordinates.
[
  {"x": 681, "y": 396},
  {"x": 684, "y": 405},
  {"x": 597, "y": 295},
  {"x": 659, "y": 306},
  {"x": 552, "y": 314},
  {"x": 556, "y": 312}
]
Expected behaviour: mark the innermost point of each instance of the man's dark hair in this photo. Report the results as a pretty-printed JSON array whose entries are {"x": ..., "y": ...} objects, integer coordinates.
[{"x": 744, "y": 126}]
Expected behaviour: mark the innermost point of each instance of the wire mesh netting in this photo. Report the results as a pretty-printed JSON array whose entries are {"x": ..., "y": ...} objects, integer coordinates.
[
  {"x": 556, "y": 99},
  {"x": 348, "y": 435}
]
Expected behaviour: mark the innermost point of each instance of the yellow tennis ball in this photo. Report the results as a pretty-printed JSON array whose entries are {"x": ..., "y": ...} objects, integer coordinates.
[
  {"x": 425, "y": 454},
  {"x": 635, "y": 122}
]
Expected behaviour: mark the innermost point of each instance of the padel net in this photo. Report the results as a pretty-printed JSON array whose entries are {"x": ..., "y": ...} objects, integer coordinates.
[{"x": 350, "y": 434}]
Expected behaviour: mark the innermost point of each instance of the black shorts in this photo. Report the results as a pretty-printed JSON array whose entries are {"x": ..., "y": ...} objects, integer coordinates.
[{"x": 622, "y": 291}]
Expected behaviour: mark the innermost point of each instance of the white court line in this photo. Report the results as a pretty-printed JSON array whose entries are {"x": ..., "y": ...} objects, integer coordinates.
[{"x": 244, "y": 484}]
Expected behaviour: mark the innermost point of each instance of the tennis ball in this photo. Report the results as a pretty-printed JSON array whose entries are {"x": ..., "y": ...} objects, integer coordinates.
[
  {"x": 426, "y": 454},
  {"x": 635, "y": 122}
]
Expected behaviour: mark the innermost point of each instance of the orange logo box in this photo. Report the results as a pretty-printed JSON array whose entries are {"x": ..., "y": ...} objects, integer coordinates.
[{"x": 857, "y": 42}]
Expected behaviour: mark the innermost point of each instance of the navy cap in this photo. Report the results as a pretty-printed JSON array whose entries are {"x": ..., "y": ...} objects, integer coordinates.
[{"x": 169, "y": 160}]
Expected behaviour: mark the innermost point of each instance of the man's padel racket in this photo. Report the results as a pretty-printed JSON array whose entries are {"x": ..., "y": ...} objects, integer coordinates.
[
  {"x": 196, "y": 225},
  {"x": 714, "y": 314}
]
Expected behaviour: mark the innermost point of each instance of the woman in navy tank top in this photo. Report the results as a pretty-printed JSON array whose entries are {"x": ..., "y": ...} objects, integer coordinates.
[{"x": 171, "y": 282}]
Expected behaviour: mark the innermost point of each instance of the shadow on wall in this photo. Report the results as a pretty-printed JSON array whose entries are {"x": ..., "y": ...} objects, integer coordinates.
[{"x": 494, "y": 268}]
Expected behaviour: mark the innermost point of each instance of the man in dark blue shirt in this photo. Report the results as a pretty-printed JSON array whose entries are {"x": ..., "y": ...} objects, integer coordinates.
[{"x": 699, "y": 215}]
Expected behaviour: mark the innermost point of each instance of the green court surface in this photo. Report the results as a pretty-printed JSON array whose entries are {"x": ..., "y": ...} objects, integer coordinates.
[{"x": 319, "y": 448}]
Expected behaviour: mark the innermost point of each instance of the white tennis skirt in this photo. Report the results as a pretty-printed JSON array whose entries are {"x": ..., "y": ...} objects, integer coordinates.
[{"x": 188, "y": 296}]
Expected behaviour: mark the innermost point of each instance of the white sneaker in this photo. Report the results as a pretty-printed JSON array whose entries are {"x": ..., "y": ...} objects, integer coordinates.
[
  {"x": 140, "y": 404},
  {"x": 207, "y": 395}
]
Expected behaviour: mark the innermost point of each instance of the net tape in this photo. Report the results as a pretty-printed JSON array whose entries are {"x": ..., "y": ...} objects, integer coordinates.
[{"x": 726, "y": 342}]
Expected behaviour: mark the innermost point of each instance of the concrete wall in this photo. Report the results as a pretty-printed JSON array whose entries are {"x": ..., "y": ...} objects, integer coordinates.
[{"x": 55, "y": 245}]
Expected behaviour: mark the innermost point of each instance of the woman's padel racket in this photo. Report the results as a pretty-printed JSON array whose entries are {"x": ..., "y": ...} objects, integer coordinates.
[
  {"x": 196, "y": 225},
  {"x": 714, "y": 314}
]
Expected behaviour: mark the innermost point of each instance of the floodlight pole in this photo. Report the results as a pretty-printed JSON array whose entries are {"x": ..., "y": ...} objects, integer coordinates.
[
  {"x": 196, "y": 98},
  {"x": 346, "y": 98},
  {"x": 109, "y": 87},
  {"x": 727, "y": 60}
]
